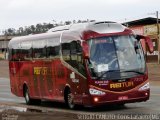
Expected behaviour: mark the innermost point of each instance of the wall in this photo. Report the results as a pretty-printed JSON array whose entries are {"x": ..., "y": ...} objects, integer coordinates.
[{"x": 151, "y": 31}]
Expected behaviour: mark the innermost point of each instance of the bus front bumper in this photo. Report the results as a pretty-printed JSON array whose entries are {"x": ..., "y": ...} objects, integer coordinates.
[{"x": 116, "y": 98}]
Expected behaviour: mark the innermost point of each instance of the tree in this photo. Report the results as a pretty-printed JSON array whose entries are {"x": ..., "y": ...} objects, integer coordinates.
[
  {"x": 40, "y": 28},
  {"x": 10, "y": 31},
  {"x": 67, "y": 22},
  {"x": 32, "y": 27}
]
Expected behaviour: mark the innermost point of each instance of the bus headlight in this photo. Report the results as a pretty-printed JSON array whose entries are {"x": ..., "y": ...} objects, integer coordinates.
[
  {"x": 93, "y": 91},
  {"x": 144, "y": 87}
]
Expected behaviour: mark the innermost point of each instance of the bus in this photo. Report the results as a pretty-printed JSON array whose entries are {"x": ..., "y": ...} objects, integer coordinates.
[{"x": 88, "y": 64}]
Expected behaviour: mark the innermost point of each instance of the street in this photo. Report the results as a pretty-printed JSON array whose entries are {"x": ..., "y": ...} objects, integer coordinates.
[
  {"x": 13, "y": 102},
  {"x": 5, "y": 93},
  {"x": 60, "y": 111}
]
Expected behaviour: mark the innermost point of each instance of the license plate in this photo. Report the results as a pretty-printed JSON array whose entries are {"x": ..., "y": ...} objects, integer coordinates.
[{"x": 123, "y": 98}]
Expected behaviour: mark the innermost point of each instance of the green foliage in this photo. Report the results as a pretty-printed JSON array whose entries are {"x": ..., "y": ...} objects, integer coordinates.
[{"x": 39, "y": 28}]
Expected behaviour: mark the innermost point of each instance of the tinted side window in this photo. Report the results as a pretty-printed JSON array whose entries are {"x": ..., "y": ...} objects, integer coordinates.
[
  {"x": 66, "y": 52},
  {"x": 53, "y": 47},
  {"x": 26, "y": 50},
  {"x": 39, "y": 49},
  {"x": 72, "y": 54},
  {"x": 15, "y": 55},
  {"x": 79, "y": 58}
]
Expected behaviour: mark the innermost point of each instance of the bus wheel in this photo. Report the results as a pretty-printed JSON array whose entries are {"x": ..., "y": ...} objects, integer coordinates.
[
  {"x": 121, "y": 105},
  {"x": 69, "y": 99},
  {"x": 28, "y": 100},
  {"x": 27, "y": 96}
]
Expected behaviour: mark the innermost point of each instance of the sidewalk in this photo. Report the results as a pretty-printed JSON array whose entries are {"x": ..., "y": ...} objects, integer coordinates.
[
  {"x": 154, "y": 74},
  {"x": 153, "y": 71},
  {"x": 4, "y": 69}
]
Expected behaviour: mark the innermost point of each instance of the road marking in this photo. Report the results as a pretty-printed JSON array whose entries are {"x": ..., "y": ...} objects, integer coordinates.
[
  {"x": 155, "y": 94},
  {"x": 11, "y": 100},
  {"x": 5, "y": 85},
  {"x": 5, "y": 93}
]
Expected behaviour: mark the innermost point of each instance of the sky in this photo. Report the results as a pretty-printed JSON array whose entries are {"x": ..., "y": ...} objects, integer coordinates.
[{"x": 21, "y": 13}]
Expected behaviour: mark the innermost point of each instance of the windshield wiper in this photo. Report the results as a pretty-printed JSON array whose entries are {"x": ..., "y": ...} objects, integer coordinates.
[
  {"x": 141, "y": 73},
  {"x": 107, "y": 73},
  {"x": 135, "y": 71}
]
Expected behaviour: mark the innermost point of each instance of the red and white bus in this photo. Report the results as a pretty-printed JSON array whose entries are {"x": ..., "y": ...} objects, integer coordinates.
[{"x": 88, "y": 64}]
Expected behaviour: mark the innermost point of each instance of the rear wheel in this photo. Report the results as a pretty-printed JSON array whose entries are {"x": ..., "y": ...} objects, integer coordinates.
[
  {"x": 69, "y": 99},
  {"x": 121, "y": 105},
  {"x": 28, "y": 100}
]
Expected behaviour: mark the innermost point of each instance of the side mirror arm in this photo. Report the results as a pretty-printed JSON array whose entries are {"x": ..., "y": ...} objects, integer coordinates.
[{"x": 148, "y": 41}]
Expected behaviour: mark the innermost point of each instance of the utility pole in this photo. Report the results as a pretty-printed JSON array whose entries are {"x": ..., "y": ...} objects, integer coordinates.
[
  {"x": 158, "y": 35},
  {"x": 158, "y": 40},
  {"x": 157, "y": 23}
]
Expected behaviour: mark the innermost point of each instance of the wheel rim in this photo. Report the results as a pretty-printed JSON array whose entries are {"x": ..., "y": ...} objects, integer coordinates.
[
  {"x": 27, "y": 96},
  {"x": 70, "y": 100}
]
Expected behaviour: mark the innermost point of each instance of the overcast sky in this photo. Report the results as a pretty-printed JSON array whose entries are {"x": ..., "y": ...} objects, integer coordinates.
[{"x": 20, "y": 13}]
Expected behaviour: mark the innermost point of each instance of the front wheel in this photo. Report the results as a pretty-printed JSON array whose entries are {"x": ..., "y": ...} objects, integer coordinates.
[{"x": 69, "y": 100}]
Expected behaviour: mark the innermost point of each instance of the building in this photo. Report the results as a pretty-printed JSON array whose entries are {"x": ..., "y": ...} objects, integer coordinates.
[
  {"x": 149, "y": 27},
  {"x": 145, "y": 26},
  {"x": 4, "y": 40}
]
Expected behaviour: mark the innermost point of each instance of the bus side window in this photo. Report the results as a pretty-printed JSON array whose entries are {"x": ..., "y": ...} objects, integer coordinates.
[
  {"x": 53, "y": 48},
  {"x": 72, "y": 54},
  {"x": 39, "y": 49},
  {"x": 26, "y": 50},
  {"x": 16, "y": 52},
  {"x": 80, "y": 63},
  {"x": 66, "y": 52}
]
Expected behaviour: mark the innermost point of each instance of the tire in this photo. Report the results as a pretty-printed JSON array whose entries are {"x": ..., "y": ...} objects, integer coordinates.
[
  {"x": 28, "y": 100},
  {"x": 69, "y": 100},
  {"x": 27, "y": 96},
  {"x": 121, "y": 105}
]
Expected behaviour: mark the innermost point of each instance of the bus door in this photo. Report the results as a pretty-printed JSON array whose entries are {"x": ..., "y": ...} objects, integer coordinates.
[
  {"x": 79, "y": 79},
  {"x": 75, "y": 70}
]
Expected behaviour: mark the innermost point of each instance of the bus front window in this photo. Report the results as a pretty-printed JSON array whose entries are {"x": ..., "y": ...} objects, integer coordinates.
[{"x": 115, "y": 57}]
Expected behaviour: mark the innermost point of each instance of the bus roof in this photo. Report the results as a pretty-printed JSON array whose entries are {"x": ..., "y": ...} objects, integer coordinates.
[
  {"x": 99, "y": 27},
  {"x": 103, "y": 27}
]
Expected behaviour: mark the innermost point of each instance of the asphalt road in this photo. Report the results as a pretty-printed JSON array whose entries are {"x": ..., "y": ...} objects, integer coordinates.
[
  {"x": 149, "y": 110},
  {"x": 151, "y": 107}
]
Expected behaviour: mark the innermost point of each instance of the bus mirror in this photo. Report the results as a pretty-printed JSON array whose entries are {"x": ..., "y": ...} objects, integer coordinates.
[
  {"x": 148, "y": 42},
  {"x": 85, "y": 49}
]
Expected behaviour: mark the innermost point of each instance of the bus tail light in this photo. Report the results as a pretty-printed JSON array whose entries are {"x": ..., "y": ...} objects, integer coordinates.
[
  {"x": 144, "y": 87},
  {"x": 93, "y": 91}
]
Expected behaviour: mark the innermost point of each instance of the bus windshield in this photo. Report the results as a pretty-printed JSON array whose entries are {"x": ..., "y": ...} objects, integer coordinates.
[{"x": 115, "y": 57}]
